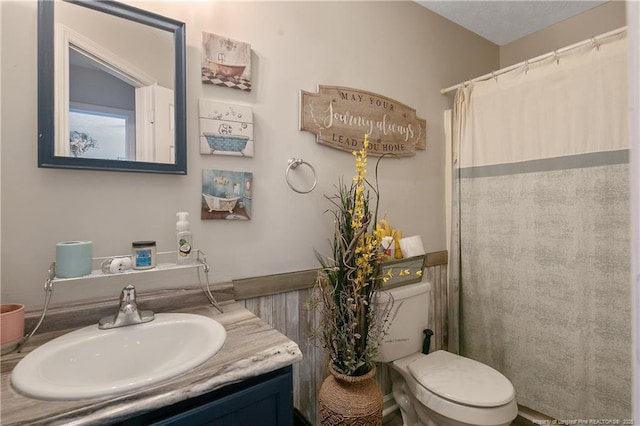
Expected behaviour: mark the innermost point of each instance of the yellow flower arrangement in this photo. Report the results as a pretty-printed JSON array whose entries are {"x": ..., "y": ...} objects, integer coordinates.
[{"x": 351, "y": 322}]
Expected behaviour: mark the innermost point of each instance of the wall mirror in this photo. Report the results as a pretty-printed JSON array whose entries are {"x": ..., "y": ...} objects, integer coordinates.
[{"x": 111, "y": 88}]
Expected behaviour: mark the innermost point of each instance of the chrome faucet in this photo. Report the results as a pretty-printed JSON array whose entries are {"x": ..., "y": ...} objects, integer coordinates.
[{"x": 128, "y": 313}]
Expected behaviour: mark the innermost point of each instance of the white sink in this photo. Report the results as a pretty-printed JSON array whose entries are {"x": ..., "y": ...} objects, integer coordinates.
[{"x": 89, "y": 362}]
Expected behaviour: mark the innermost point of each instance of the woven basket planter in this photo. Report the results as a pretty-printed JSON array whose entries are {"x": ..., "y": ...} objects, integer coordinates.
[{"x": 351, "y": 400}]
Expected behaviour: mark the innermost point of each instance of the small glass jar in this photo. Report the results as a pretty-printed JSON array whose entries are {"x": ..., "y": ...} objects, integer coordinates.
[{"x": 143, "y": 254}]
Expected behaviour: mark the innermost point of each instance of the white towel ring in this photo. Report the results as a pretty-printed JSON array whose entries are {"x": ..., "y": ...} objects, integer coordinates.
[{"x": 293, "y": 164}]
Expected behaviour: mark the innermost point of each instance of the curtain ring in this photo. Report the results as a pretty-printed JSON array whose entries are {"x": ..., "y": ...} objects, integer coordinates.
[
  {"x": 526, "y": 67},
  {"x": 495, "y": 77},
  {"x": 556, "y": 56},
  {"x": 293, "y": 164},
  {"x": 595, "y": 43}
]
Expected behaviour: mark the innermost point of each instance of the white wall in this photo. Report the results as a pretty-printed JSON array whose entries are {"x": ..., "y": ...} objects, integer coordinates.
[
  {"x": 396, "y": 49},
  {"x": 633, "y": 13},
  {"x": 0, "y": 155}
]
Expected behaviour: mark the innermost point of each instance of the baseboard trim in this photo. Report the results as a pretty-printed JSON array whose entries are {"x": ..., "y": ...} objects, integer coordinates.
[
  {"x": 533, "y": 415},
  {"x": 248, "y": 288},
  {"x": 389, "y": 406}
]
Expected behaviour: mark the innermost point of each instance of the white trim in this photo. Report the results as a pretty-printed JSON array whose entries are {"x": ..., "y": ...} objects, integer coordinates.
[
  {"x": 66, "y": 38},
  {"x": 389, "y": 405},
  {"x": 61, "y": 93},
  {"x": 145, "y": 119},
  {"x": 112, "y": 62},
  {"x": 633, "y": 19}
]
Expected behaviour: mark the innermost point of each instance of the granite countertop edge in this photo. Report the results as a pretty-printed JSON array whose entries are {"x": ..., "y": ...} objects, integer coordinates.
[{"x": 252, "y": 348}]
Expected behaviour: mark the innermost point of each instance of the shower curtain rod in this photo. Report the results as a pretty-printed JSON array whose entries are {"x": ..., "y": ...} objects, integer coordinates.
[{"x": 556, "y": 54}]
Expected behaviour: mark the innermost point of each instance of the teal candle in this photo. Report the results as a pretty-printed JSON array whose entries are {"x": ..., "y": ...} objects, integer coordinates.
[{"x": 73, "y": 258}]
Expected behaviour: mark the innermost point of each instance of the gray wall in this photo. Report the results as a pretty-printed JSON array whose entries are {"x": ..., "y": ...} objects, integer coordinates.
[
  {"x": 396, "y": 49},
  {"x": 599, "y": 20}
]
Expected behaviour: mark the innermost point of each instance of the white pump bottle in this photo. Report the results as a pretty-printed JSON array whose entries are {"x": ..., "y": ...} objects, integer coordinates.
[{"x": 184, "y": 239}]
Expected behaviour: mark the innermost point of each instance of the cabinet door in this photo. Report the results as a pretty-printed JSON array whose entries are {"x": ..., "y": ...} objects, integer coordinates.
[{"x": 268, "y": 403}]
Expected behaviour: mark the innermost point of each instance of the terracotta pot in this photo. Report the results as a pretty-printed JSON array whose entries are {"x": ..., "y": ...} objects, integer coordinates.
[
  {"x": 11, "y": 326},
  {"x": 351, "y": 400}
]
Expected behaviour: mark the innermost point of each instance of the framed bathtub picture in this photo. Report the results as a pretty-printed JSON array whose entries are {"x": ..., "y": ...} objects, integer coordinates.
[
  {"x": 225, "y": 129},
  {"x": 226, "y": 195},
  {"x": 226, "y": 62}
]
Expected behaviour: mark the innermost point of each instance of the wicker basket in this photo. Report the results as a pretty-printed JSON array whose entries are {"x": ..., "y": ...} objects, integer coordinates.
[{"x": 351, "y": 400}]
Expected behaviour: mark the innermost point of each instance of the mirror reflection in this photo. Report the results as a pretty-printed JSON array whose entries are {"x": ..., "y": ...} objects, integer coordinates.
[
  {"x": 118, "y": 97},
  {"x": 101, "y": 113}
]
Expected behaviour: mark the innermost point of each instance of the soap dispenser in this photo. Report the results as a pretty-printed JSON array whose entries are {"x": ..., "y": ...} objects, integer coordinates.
[{"x": 184, "y": 239}]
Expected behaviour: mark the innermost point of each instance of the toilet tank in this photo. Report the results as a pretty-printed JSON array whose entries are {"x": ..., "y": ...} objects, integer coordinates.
[{"x": 408, "y": 319}]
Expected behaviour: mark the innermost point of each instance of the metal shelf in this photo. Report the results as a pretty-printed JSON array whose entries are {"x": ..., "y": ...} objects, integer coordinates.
[{"x": 199, "y": 262}]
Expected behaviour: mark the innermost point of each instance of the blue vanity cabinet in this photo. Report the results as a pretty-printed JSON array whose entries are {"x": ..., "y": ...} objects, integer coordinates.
[{"x": 262, "y": 401}]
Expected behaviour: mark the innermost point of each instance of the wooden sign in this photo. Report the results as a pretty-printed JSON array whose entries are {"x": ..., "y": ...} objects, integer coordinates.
[{"x": 340, "y": 117}]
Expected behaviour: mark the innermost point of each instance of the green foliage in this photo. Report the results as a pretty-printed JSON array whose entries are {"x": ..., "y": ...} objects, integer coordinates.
[{"x": 352, "y": 323}]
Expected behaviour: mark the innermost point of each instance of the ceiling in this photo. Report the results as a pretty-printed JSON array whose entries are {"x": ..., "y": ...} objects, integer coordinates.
[{"x": 505, "y": 21}]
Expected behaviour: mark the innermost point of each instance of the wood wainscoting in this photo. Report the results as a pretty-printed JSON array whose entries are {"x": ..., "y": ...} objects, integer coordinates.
[{"x": 281, "y": 301}]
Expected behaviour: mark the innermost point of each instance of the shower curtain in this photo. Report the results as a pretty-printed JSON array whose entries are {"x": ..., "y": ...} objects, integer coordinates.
[{"x": 541, "y": 230}]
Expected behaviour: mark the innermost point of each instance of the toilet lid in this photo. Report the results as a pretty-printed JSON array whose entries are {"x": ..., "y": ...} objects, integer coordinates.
[{"x": 462, "y": 380}]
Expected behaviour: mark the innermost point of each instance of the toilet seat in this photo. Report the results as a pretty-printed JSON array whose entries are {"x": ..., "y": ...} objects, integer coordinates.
[{"x": 461, "y": 380}]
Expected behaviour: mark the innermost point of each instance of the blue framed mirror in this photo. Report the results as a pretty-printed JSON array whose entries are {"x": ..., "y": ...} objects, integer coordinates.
[{"x": 111, "y": 88}]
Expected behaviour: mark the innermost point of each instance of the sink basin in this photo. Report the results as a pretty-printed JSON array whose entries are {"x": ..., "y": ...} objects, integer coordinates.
[{"x": 90, "y": 362}]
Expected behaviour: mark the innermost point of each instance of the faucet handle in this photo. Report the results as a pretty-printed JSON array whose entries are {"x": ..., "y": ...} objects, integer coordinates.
[
  {"x": 128, "y": 313},
  {"x": 128, "y": 294}
]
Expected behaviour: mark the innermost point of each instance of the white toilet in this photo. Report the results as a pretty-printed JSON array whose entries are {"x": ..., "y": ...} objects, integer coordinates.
[{"x": 439, "y": 389}]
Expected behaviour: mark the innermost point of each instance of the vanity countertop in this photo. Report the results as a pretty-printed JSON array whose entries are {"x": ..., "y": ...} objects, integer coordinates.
[{"x": 252, "y": 348}]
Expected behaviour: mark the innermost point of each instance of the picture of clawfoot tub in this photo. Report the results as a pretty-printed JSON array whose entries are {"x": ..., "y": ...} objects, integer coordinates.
[
  {"x": 226, "y": 143},
  {"x": 219, "y": 204},
  {"x": 226, "y": 70}
]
